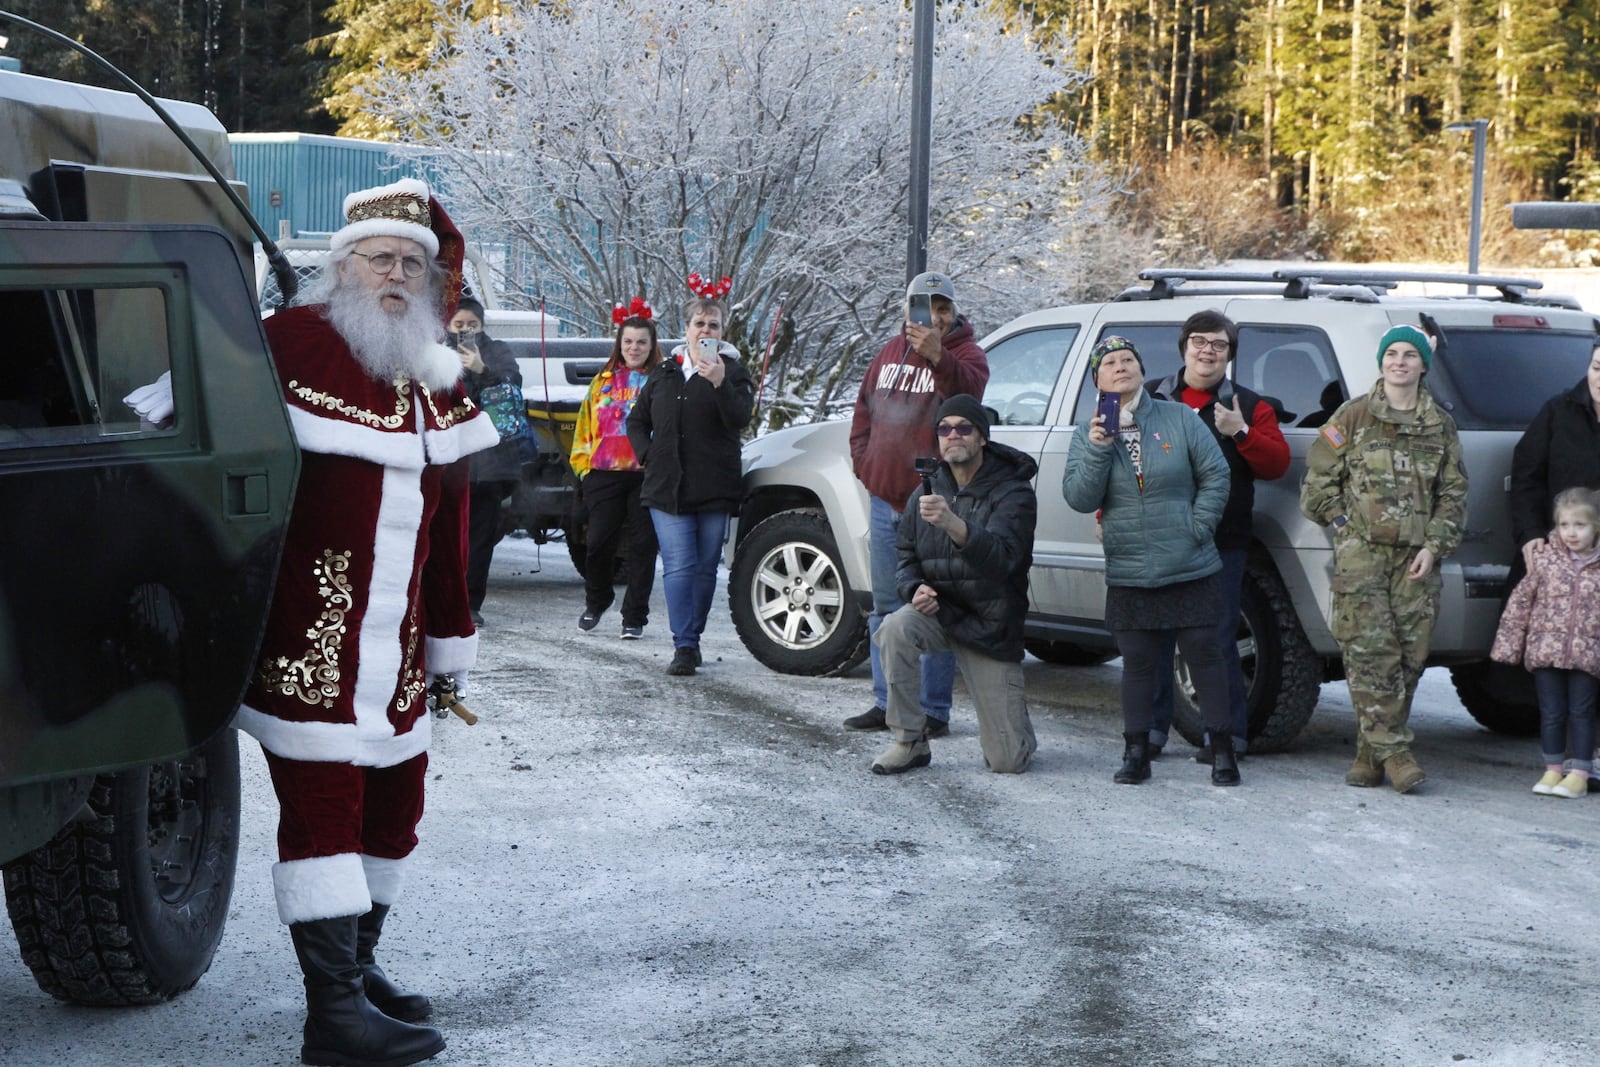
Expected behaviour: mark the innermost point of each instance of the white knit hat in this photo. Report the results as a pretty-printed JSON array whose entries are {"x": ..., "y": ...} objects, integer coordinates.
[{"x": 398, "y": 210}]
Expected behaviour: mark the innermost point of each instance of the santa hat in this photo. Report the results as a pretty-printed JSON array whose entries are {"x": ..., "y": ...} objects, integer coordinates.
[{"x": 406, "y": 209}]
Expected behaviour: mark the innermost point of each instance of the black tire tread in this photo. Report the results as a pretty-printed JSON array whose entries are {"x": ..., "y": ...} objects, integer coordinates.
[
  {"x": 817, "y": 663},
  {"x": 1488, "y": 709},
  {"x": 1299, "y": 670}
]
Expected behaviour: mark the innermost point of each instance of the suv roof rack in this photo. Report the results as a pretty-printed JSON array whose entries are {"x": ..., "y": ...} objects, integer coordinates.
[{"x": 1298, "y": 283}]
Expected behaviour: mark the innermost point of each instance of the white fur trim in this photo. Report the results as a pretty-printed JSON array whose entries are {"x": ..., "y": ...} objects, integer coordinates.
[
  {"x": 333, "y": 742},
  {"x": 462, "y": 439},
  {"x": 385, "y": 878},
  {"x": 323, "y": 887},
  {"x": 446, "y": 655},
  {"x": 442, "y": 367},
  {"x": 394, "y": 555},
  {"x": 336, "y": 437}
]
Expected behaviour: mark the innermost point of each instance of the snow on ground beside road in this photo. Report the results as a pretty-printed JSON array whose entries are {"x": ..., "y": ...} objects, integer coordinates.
[{"x": 622, "y": 868}]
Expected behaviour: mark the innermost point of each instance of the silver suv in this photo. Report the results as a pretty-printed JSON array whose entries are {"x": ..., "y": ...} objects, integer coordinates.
[{"x": 800, "y": 590}]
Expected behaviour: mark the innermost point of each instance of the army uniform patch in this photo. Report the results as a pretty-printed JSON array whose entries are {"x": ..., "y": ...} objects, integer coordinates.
[{"x": 1334, "y": 435}]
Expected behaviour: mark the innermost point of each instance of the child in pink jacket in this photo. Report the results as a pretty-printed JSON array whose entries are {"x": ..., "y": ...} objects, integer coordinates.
[{"x": 1551, "y": 626}]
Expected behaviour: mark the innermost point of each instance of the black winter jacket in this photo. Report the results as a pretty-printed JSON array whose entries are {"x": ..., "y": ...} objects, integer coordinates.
[
  {"x": 983, "y": 585},
  {"x": 1560, "y": 449},
  {"x": 686, "y": 434}
]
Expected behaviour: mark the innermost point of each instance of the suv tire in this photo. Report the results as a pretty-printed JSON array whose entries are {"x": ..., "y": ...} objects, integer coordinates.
[
  {"x": 1283, "y": 674},
  {"x": 1499, "y": 696},
  {"x": 790, "y": 599},
  {"x": 127, "y": 903}
]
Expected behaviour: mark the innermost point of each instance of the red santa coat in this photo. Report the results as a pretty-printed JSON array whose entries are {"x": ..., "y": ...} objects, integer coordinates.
[{"x": 371, "y": 594}]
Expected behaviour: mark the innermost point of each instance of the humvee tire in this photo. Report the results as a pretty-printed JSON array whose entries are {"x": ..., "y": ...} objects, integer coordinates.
[{"x": 127, "y": 903}]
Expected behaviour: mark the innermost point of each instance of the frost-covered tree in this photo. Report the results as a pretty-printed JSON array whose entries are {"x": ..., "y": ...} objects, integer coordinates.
[{"x": 615, "y": 146}]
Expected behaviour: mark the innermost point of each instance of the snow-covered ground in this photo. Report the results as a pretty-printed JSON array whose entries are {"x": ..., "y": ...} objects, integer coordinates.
[{"x": 619, "y": 867}]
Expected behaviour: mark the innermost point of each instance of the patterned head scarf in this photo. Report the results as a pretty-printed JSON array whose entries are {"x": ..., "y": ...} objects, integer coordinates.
[{"x": 1108, "y": 345}]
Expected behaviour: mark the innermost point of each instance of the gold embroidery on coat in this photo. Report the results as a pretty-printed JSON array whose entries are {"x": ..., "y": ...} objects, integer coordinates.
[
  {"x": 412, "y": 680},
  {"x": 314, "y": 677},
  {"x": 329, "y": 402},
  {"x": 450, "y": 417}
]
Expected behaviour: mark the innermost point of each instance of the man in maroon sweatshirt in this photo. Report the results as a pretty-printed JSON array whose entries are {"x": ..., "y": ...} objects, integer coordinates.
[{"x": 921, "y": 367}]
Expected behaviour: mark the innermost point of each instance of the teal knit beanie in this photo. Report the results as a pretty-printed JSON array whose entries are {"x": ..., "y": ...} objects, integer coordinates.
[{"x": 1410, "y": 335}]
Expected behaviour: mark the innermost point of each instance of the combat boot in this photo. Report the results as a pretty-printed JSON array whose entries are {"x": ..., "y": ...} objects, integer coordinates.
[
  {"x": 1365, "y": 772},
  {"x": 1135, "y": 759},
  {"x": 387, "y": 997},
  {"x": 1404, "y": 774},
  {"x": 342, "y": 1027}
]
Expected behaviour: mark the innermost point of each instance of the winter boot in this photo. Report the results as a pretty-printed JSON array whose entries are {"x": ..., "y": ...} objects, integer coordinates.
[
  {"x": 1404, "y": 774},
  {"x": 1135, "y": 760},
  {"x": 903, "y": 756},
  {"x": 342, "y": 1027},
  {"x": 1365, "y": 772},
  {"x": 387, "y": 997},
  {"x": 1224, "y": 764}
]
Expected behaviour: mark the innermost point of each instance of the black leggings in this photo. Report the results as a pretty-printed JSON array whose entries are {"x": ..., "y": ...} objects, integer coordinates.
[{"x": 1141, "y": 659}]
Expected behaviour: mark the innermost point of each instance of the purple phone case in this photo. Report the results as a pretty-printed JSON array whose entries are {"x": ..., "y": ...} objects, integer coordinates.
[{"x": 1111, "y": 407}]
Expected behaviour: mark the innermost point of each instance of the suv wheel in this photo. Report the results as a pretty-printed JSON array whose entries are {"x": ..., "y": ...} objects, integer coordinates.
[
  {"x": 1067, "y": 654},
  {"x": 791, "y": 603},
  {"x": 1282, "y": 674},
  {"x": 1499, "y": 696},
  {"x": 127, "y": 903}
]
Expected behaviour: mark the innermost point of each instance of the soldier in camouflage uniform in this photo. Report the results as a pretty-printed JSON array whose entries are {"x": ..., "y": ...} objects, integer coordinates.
[{"x": 1386, "y": 473}]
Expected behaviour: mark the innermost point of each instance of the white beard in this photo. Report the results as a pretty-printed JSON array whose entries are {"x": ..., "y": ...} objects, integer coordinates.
[{"x": 389, "y": 346}]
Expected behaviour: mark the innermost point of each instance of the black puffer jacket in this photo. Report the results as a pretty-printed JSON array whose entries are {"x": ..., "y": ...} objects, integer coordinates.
[
  {"x": 1559, "y": 450},
  {"x": 983, "y": 585},
  {"x": 686, "y": 434}
]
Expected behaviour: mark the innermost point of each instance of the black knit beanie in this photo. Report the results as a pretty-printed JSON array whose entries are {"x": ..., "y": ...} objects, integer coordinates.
[{"x": 967, "y": 407}]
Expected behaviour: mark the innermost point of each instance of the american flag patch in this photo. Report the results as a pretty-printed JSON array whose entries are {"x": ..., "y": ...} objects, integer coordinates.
[{"x": 1334, "y": 436}]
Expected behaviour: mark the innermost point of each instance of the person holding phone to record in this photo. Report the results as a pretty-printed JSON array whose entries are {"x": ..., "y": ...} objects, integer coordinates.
[
  {"x": 685, "y": 427},
  {"x": 1157, "y": 477}
]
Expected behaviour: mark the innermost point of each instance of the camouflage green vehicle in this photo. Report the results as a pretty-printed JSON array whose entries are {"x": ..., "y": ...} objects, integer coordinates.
[{"x": 139, "y": 553}]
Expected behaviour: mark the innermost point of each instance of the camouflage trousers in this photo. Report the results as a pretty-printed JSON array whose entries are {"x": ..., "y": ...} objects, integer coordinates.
[{"x": 1383, "y": 622}]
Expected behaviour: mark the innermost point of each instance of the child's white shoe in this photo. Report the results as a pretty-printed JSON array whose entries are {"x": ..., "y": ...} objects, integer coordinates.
[
  {"x": 1573, "y": 785},
  {"x": 1547, "y": 785}
]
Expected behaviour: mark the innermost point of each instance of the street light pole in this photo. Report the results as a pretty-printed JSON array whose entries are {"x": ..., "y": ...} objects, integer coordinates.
[
  {"x": 921, "y": 135},
  {"x": 1475, "y": 239}
]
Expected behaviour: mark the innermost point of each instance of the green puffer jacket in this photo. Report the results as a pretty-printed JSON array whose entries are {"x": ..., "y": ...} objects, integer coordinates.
[{"x": 1164, "y": 534}]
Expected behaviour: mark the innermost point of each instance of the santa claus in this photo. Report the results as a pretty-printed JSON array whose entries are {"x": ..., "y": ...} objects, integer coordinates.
[{"x": 370, "y": 602}]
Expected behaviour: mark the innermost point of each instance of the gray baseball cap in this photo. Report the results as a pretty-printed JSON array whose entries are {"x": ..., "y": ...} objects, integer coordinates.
[{"x": 934, "y": 283}]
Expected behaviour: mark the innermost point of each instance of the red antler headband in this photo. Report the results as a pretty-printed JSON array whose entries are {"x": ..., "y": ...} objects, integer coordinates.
[
  {"x": 638, "y": 309},
  {"x": 706, "y": 289}
]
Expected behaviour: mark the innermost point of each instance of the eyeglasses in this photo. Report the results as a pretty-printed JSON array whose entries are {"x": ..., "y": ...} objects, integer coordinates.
[
  {"x": 960, "y": 429},
  {"x": 1200, "y": 344},
  {"x": 383, "y": 263}
]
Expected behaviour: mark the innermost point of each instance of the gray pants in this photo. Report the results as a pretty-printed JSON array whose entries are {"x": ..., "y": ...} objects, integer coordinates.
[{"x": 1004, "y": 730}]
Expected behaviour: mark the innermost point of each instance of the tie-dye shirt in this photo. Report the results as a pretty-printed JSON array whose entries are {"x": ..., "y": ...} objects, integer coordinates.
[{"x": 600, "y": 439}]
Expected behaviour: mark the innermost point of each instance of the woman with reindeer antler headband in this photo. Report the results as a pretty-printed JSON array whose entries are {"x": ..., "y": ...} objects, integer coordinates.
[
  {"x": 685, "y": 427},
  {"x": 610, "y": 476}
]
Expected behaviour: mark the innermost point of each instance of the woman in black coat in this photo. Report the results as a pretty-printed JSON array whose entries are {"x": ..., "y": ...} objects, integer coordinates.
[
  {"x": 1559, "y": 450},
  {"x": 686, "y": 428}
]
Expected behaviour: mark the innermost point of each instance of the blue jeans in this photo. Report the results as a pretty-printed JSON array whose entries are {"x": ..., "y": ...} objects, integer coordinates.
[
  {"x": 1566, "y": 709},
  {"x": 691, "y": 546},
  {"x": 938, "y": 668},
  {"x": 1232, "y": 582}
]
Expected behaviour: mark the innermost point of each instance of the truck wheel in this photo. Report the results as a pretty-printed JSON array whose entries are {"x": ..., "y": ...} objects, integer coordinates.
[
  {"x": 126, "y": 904},
  {"x": 791, "y": 603},
  {"x": 1499, "y": 696},
  {"x": 1067, "y": 654},
  {"x": 1282, "y": 673}
]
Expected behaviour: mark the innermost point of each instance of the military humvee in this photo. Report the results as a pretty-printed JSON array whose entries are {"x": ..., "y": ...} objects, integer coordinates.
[{"x": 137, "y": 558}]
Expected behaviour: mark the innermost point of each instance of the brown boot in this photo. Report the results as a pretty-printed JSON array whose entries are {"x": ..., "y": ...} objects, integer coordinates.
[
  {"x": 1404, "y": 774},
  {"x": 1365, "y": 772}
]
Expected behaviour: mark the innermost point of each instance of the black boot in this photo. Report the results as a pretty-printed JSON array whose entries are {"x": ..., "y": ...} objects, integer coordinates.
[
  {"x": 342, "y": 1027},
  {"x": 1135, "y": 760},
  {"x": 387, "y": 997},
  {"x": 1224, "y": 764}
]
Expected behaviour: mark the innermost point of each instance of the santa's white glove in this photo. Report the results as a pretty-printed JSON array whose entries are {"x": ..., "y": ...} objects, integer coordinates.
[{"x": 153, "y": 402}]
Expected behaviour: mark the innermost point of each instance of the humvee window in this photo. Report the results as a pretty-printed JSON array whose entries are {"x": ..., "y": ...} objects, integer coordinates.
[{"x": 73, "y": 355}]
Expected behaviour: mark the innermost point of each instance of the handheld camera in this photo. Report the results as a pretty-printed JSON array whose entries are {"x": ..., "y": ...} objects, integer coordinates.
[
  {"x": 1110, "y": 407},
  {"x": 919, "y": 309},
  {"x": 926, "y": 466}
]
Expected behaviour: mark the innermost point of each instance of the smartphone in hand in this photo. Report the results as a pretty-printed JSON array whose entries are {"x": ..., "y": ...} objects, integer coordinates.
[
  {"x": 1110, "y": 406},
  {"x": 705, "y": 349},
  {"x": 920, "y": 309}
]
